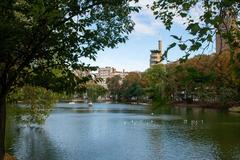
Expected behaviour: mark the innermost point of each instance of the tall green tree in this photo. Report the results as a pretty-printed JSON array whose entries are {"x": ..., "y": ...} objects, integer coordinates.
[
  {"x": 42, "y": 35},
  {"x": 94, "y": 91},
  {"x": 132, "y": 87},
  {"x": 156, "y": 89},
  {"x": 114, "y": 87}
]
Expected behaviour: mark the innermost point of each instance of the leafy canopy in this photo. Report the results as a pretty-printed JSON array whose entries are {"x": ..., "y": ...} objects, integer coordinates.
[
  {"x": 219, "y": 17},
  {"x": 42, "y": 36},
  {"x": 94, "y": 91}
]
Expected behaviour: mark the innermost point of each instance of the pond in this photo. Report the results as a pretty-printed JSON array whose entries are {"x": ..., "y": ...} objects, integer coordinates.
[{"x": 128, "y": 132}]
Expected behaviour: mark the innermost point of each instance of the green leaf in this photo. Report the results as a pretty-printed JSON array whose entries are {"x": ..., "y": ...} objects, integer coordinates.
[
  {"x": 186, "y": 6},
  {"x": 171, "y": 46},
  {"x": 194, "y": 28},
  {"x": 195, "y": 46},
  {"x": 182, "y": 14},
  {"x": 176, "y": 37},
  {"x": 182, "y": 46}
]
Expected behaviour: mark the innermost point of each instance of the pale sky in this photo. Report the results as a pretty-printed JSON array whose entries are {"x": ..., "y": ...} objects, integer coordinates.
[{"x": 134, "y": 55}]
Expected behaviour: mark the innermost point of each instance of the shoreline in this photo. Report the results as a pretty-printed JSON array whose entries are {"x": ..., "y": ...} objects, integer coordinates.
[
  {"x": 231, "y": 107},
  {"x": 199, "y": 105},
  {"x": 234, "y": 107}
]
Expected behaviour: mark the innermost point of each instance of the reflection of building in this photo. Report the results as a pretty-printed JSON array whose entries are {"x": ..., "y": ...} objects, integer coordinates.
[
  {"x": 155, "y": 57},
  {"x": 228, "y": 25},
  {"x": 109, "y": 72}
]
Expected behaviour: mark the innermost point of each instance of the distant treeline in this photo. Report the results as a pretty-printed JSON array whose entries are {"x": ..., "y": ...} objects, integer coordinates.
[{"x": 203, "y": 79}]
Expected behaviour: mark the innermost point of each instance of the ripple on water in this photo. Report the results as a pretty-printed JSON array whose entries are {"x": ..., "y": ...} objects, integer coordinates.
[{"x": 124, "y": 132}]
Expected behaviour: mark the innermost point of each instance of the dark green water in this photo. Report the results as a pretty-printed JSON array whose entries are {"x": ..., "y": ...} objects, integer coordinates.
[{"x": 128, "y": 132}]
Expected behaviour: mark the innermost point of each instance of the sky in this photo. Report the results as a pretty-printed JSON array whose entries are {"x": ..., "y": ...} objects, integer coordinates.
[{"x": 134, "y": 55}]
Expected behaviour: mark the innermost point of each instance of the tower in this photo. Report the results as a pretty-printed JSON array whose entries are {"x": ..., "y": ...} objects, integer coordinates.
[{"x": 155, "y": 56}]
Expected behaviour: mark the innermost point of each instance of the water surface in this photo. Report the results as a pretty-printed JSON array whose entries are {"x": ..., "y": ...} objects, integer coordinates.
[{"x": 128, "y": 132}]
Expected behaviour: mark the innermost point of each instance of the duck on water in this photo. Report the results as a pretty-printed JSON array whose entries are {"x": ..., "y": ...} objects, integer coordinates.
[{"x": 90, "y": 104}]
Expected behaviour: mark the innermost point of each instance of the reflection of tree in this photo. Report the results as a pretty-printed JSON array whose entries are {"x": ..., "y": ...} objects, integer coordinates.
[
  {"x": 10, "y": 136},
  {"x": 219, "y": 133},
  {"x": 155, "y": 137},
  {"x": 216, "y": 138},
  {"x": 226, "y": 137},
  {"x": 34, "y": 143}
]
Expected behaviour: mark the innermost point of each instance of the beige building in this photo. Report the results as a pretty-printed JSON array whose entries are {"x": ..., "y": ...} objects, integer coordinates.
[
  {"x": 109, "y": 72},
  {"x": 106, "y": 72},
  {"x": 155, "y": 57},
  {"x": 122, "y": 74}
]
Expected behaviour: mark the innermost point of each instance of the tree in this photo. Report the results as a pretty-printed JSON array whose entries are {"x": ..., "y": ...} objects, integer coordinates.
[
  {"x": 172, "y": 77},
  {"x": 132, "y": 87},
  {"x": 94, "y": 91},
  {"x": 38, "y": 102},
  {"x": 206, "y": 78},
  {"x": 216, "y": 18},
  {"x": 42, "y": 35},
  {"x": 156, "y": 76},
  {"x": 114, "y": 86}
]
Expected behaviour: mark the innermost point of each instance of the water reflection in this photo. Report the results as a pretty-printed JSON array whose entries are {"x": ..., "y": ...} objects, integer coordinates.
[
  {"x": 130, "y": 132},
  {"x": 33, "y": 143}
]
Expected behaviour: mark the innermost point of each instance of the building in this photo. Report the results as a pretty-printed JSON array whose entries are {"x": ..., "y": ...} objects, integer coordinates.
[
  {"x": 155, "y": 57},
  {"x": 108, "y": 72},
  {"x": 122, "y": 74},
  {"x": 229, "y": 24}
]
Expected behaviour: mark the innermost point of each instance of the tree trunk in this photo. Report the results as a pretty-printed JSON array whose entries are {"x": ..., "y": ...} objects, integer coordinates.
[{"x": 2, "y": 125}]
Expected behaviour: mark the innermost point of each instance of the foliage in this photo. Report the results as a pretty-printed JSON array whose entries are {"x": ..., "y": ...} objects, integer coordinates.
[
  {"x": 127, "y": 89},
  {"x": 94, "y": 91},
  {"x": 156, "y": 76},
  {"x": 40, "y": 37},
  {"x": 206, "y": 78},
  {"x": 36, "y": 104},
  {"x": 114, "y": 87},
  {"x": 228, "y": 95},
  {"x": 131, "y": 87},
  {"x": 216, "y": 18}
]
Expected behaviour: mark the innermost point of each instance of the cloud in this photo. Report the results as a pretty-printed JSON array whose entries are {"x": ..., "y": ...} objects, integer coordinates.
[
  {"x": 145, "y": 22},
  {"x": 153, "y": 25},
  {"x": 195, "y": 13},
  {"x": 143, "y": 28}
]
